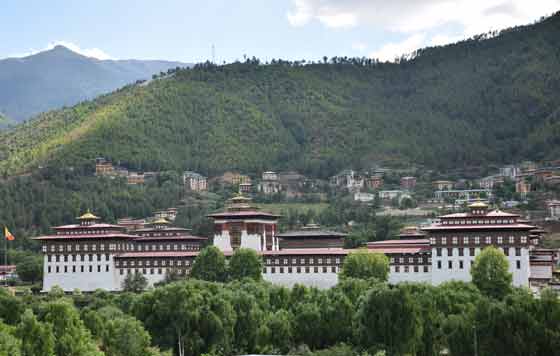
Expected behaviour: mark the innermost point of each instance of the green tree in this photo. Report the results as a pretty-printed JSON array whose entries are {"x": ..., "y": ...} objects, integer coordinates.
[
  {"x": 11, "y": 307},
  {"x": 37, "y": 338},
  {"x": 363, "y": 264},
  {"x": 134, "y": 282},
  {"x": 490, "y": 272},
  {"x": 71, "y": 336},
  {"x": 192, "y": 317},
  {"x": 245, "y": 263},
  {"x": 9, "y": 344},
  {"x": 276, "y": 333},
  {"x": 249, "y": 318},
  {"x": 389, "y": 319},
  {"x": 210, "y": 265},
  {"x": 30, "y": 269}
]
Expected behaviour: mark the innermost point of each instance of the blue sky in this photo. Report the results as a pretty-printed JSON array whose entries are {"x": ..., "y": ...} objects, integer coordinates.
[{"x": 291, "y": 29}]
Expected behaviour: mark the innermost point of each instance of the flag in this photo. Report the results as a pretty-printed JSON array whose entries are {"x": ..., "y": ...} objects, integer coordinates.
[{"x": 8, "y": 234}]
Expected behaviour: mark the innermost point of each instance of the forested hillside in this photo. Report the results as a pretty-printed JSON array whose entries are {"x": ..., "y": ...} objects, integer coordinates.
[{"x": 490, "y": 99}]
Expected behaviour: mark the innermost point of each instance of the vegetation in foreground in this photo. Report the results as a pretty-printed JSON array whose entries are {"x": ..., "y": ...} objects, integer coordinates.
[{"x": 242, "y": 314}]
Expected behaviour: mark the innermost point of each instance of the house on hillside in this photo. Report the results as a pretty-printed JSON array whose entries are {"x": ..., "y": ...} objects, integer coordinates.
[{"x": 194, "y": 181}]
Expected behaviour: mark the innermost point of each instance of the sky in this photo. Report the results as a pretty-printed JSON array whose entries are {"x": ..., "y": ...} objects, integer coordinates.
[{"x": 185, "y": 30}]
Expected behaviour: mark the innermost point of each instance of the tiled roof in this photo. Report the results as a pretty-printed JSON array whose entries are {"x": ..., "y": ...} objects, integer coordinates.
[
  {"x": 85, "y": 236},
  {"x": 392, "y": 250},
  {"x": 92, "y": 226},
  {"x": 478, "y": 227},
  {"x": 156, "y": 254},
  {"x": 242, "y": 214},
  {"x": 169, "y": 238},
  {"x": 400, "y": 242},
  {"x": 308, "y": 251},
  {"x": 311, "y": 233}
]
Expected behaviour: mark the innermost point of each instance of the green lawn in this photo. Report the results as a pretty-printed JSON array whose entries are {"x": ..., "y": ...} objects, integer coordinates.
[{"x": 277, "y": 208}]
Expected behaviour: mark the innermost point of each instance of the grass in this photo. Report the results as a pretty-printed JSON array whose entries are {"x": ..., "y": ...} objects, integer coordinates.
[{"x": 277, "y": 208}]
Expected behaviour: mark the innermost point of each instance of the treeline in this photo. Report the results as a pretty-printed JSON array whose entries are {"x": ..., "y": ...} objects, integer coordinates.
[
  {"x": 193, "y": 318},
  {"x": 486, "y": 100},
  {"x": 236, "y": 313}
]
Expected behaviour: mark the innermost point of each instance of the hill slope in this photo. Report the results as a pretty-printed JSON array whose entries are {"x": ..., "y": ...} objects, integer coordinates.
[
  {"x": 59, "y": 77},
  {"x": 485, "y": 100}
]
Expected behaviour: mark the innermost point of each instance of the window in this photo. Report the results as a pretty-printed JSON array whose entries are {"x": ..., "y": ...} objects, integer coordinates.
[
  {"x": 471, "y": 251},
  {"x": 406, "y": 269},
  {"x": 82, "y": 269},
  {"x": 425, "y": 269},
  {"x": 461, "y": 252},
  {"x": 73, "y": 269},
  {"x": 466, "y": 240},
  {"x": 401, "y": 260},
  {"x": 285, "y": 261},
  {"x": 49, "y": 258},
  {"x": 500, "y": 240},
  {"x": 488, "y": 240},
  {"x": 450, "y": 264},
  {"x": 106, "y": 268},
  {"x": 392, "y": 260},
  {"x": 439, "y": 264},
  {"x": 460, "y": 264},
  {"x": 410, "y": 260},
  {"x": 91, "y": 268},
  {"x": 333, "y": 269},
  {"x": 454, "y": 241},
  {"x": 159, "y": 271},
  {"x": 49, "y": 269},
  {"x": 523, "y": 239},
  {"x": 476, "y": 240},
  {"x": 57, "y": 258},
  {"x": 518, "y": 264},
  {"x": 511, "y": 239},
  {"x": 443, "y": 240},
  {"x": 316, "y": 269},
  {"x": 432, "y": 241},
  {"x": 506, "y": 251},
  {"x": 121, "y": 271},
  {"x": 397, "y": 269},
  {"x": 416, "y": 269},
  {"x": 449, "y": 252},
  {"x": 518, "y": 251},
  {"x": 57, "y": 269},
  {"x": 99, "y": 268}
]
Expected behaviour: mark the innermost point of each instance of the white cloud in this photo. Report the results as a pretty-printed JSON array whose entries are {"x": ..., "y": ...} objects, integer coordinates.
[
  {"x": 412, "y": 18},
  {"x": 418, "y": 15},
  {"x": 390, "y": 51},
  {"x": 359, "y": 46},
  {"x": 88, "y": 52}
]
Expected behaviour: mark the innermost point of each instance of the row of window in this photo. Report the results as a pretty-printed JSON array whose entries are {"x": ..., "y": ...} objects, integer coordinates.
[
  {"x": 122, "y": 271},
  {"x": 462, "y": 265},
  {"x": 82, "y": 257},
  {"x": 86, "y": 232},
  {"x": 127, "y": 247},
  {"x": 478, "y": 222},
  {"x": 477, "y": 240},
  {"x": 409, "y": 260},
  {"x": 316, "y": 269},
  {"x": 407, "y": 269},
  {"x": 155, "y": 263},
  {"x": 472, "y": 251},
  {"x": 82, "y": 269},
  {"x": 302, "y": 261}
]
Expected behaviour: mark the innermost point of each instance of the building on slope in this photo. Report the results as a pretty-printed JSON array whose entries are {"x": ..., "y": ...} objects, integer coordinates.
[
  {"x": 458, "y": 238},
  {"x": 91, "y": 255}
]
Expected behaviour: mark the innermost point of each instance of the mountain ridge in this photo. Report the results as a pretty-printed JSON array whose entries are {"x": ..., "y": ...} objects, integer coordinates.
[
  {"x": 487, "y": 100},
  {"x": 60, "y": 77}
]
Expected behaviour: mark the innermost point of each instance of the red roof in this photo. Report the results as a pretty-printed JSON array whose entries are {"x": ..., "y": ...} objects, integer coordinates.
[
  {"x": 93, "y": 226},
  {"x": 391, "y": 250},
  {"x": 400, "y": 246},
  {"x": 158, "y": 254},
  {"x": 242, "y": 214},
  {"x": 477, "y": 227},
  {"x": 85, "y": 236},
  {"x": 169, "y": 238},
  {"x": 308, "y": 251}
]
